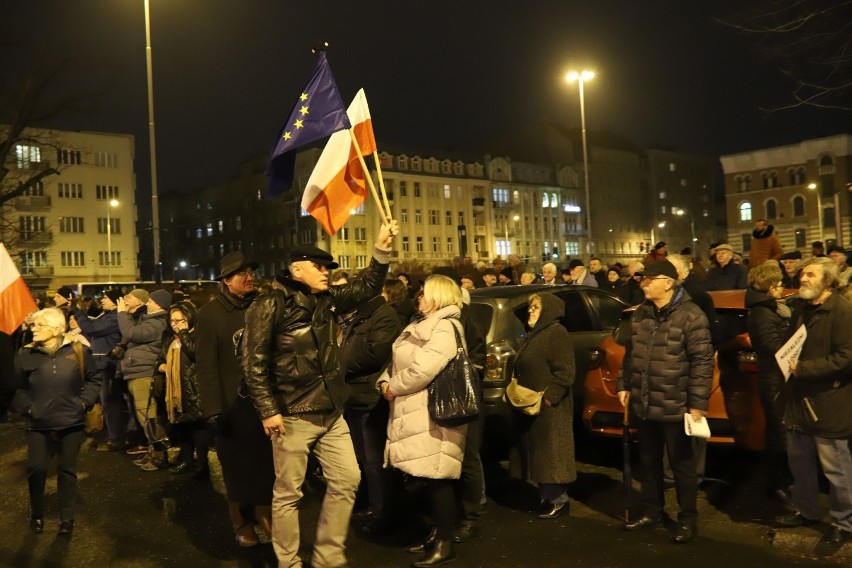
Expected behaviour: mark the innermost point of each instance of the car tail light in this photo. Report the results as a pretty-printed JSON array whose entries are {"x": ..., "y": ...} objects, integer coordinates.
[
  {"x": 596, "y": 357},
  {"x": 497, "y": 359},
  {"x": 747, "y": 361}
]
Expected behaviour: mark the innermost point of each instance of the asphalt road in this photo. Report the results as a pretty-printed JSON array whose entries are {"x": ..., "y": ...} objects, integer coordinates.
[{"x": 130, "y": 518}]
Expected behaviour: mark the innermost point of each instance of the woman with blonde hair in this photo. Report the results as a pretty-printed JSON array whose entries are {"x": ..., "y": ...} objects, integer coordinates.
[{"x": 417, "y": 445}]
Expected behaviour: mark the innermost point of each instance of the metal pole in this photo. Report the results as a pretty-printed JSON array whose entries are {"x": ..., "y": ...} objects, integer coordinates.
[
  {"x": 589, "y": 251},
  {"x": 109, "y": 243},
  {"x": 819, "y": 207},
  {"x": 155, "y": 200}
]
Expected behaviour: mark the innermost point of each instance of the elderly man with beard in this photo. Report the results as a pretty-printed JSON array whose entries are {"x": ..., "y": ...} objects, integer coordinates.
[{"x": 818, "y": 410}]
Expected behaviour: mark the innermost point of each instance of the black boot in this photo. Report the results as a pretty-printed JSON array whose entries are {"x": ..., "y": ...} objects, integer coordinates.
[
  {"x": 424, "y": 546},
  {"x": 441, "y": 552}
]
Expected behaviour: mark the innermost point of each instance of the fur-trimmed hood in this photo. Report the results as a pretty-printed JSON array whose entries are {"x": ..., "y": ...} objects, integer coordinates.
[{"x": 770, "y": 230}]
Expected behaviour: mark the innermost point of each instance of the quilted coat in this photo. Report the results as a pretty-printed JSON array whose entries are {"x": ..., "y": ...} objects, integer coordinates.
[
  {"x": 416, "y": 444},
  {"x": 668, "y": 364}
]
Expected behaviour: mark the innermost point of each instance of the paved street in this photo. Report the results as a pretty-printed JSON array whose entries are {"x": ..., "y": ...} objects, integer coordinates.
[{"x": 130, "y": 518}]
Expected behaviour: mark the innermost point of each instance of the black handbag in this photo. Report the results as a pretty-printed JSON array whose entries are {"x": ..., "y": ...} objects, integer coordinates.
[{"x": 454, "y": 393}]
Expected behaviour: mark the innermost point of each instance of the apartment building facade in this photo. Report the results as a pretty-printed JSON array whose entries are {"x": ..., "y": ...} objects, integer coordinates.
[
  {"x": 77, "y": 225},
  {"x": 801, "y": 189}
]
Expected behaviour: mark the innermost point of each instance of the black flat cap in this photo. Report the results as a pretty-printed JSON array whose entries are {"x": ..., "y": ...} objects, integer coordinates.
[
  {"x": 313, "y": 254},
  {"x": 233, "y": 262},
  {"x": 660, "y": 268}
]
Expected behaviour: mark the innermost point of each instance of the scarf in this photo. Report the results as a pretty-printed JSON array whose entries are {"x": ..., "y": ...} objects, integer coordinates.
[
  {"x": 241, "y": 304},
  {"x": 174, "y": 405}
]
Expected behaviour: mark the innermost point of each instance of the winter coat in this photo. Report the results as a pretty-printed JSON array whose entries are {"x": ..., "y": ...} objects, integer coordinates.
[
  {"x": 698, "y": 294},
  {"x": 764, "y": 246},
  {"x": 668, "y": 361},
  {"x": 190, "y": 401},
  {"x": 144, "y": 339},
  {"x": 366, "y": 350},
  {"x": 588, "y": 279},
  {"x": 543, "y": 445},
  {"x": 416, "y": 444},
  {"x": 51, "y": 392},
  {"x": 102, "y": 332},
  {"x": 290, "y": 357},
  {"x": 768, "y": 331},
  {"x": 730, "y": 277},
  {"x": 218, "y": 368},
  {"x": 824, "y": 371}
]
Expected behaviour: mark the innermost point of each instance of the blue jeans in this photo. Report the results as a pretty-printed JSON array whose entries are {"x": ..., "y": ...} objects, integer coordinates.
[{"x": 803, "y": 451}]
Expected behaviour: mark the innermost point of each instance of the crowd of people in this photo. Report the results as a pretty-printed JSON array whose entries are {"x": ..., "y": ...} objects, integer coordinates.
[{"x": 327, "y": 368}]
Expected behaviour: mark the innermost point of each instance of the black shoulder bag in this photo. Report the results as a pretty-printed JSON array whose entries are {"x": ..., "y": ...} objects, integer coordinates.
[{"x": 453, "y": 394}]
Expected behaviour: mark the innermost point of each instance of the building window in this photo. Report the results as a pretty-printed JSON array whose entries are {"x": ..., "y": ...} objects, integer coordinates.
[
  {"x": 433, "y": 191},
  {"x": 798, "y": 206},
  {"x": 545, "y": 200},
  {"x": 104, "y": 258},
  {"x": 361, "y": 261},
  {"x": 71, "y": 225},
  {"x": 405, "y": 246},
  {"x": 416, "y": 189},
  {"x": 37, "y": 189},
  {"x": 403, "y": 189},
  {"x": 70, "y": 157},
  {"x": 435, "y": 246},
  {"x": 745, "y": 211},
  {"x": 106, "y": 160},
  {"x": 419, "y": 244},
  {"x": 360, "y": 234},
  {"x": 449, "y": 216},
  {"x": 461, "y": 217},
  {"x": 450, "y": 244},
  {"x": 801, "y": 238},
  {"x": 500, "y": 196},
  {"x": 238, "y": 223},
  {"x": 103, "y": 192},
  {"x": 554, "y": 201},
  {"x": 662, "y": 195},
  {"x": 448, "y": 194},
  {"x": 360, "y": 210},
  {"x": 29, "y": 226},
  {"x": 771, "y": 209},
  {"x": 404, "y": 216},
  {"x": 27, "y": 156},
  {"x": 418, "y": 218},
  {"x": 114, "y": 226},
  {"x": 433, "y": 216},
  {"x": 73, "y": 258},
  {"x": 71, "y": 190},
  {"x": 33, "y": 259},
  {"x": 343, "y": 261},
  {"x": 343, "y": 234},
  {"x": 672, "y": 167}
]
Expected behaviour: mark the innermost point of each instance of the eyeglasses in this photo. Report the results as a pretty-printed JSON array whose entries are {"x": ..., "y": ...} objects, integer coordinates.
[{"x": 245, "y": 273}]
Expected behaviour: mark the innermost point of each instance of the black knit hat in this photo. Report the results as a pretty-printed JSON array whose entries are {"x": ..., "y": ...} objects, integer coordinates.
[{"x": 65, "y": 291}]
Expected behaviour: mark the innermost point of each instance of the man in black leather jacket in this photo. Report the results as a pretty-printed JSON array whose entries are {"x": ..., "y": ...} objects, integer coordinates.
[{"x": 292, "y": 373}]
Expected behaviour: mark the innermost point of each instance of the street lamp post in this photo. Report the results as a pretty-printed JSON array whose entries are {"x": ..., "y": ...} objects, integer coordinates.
[
  {"x": 680, "y": 213},
  {"x": 813, "y": 187},
  {"x": 581, "y": 78},
  {"x": 506, "y": 234},
  {"x": 112, "y": 203},
  {"x": 155, "y": 200}
]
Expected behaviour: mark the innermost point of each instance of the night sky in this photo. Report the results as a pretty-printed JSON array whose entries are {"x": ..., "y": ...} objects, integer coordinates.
[{"x": 437, "y": 74}]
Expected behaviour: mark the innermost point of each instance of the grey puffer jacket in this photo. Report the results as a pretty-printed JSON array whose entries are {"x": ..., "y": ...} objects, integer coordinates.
[
  {"x": 144, "y": 340},
  {"x": 668, "y": 363}
]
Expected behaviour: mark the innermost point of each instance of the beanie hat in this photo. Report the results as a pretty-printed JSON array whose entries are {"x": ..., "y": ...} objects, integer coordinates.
[
  {"x": 65, "y": 291},
  {"x": 162, "y": 298},
  {"x": 139, "y": 294},
  {"x": 113, "y": 295}
]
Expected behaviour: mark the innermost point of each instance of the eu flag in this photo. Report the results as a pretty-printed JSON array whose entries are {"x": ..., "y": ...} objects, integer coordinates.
[{"x": 318, "y": 113}]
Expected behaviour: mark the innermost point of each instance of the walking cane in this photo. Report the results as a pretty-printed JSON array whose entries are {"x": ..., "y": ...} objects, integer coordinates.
[{"x": 626, "y": 477}]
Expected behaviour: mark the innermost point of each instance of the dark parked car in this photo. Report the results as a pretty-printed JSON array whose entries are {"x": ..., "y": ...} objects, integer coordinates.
[{"x": 590, "y": 315}]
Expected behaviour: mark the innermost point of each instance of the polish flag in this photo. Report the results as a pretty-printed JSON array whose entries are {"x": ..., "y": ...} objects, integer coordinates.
[
  {"x": 16, "y": 302},
  {"x": 338, "y": 183}
]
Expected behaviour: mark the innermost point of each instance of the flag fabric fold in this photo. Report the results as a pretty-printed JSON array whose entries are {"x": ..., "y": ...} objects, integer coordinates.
[
  {"x": 318, "y": 112},
  {"x": 338, "y": 183},
  {"x": 16, "y": 302}
]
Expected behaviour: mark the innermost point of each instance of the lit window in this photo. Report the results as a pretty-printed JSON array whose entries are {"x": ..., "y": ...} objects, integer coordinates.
[{"x": 745, "y": 211}]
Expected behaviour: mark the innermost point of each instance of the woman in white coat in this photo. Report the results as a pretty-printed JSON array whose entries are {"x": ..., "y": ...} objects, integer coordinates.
[{"x": 416, "y": 444}]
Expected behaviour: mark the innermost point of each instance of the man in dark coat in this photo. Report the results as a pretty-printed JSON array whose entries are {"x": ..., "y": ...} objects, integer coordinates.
[
  {"x": 726, "y": 274},
  {"x": 365, "y": 351},
  {"x": 817, "y": 411},
  {"x": 241, "y": 445},
  {"x": 290, "y": 362},
  {"x": 667, "y": 373}
]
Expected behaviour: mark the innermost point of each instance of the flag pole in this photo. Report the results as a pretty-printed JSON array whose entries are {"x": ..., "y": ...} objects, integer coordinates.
[
  {"x": 381, "y": 181},
  {"x": 385, "y": 215}
]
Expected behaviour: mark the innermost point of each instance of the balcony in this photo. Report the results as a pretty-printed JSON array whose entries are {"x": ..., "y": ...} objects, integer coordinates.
[
  {"x": 480, "y": 230},
  {"x": 36, "y": 239},
  {"x": 479, "y": 204},
  {"x": 31, "y": 202},
  {"x": 37, "y": 271}
]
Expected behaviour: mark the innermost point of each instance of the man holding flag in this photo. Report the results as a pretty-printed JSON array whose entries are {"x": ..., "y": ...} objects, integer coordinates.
[{"x": 292, "y": 374}]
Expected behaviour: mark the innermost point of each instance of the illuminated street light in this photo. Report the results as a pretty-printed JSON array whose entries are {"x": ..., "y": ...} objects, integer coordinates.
[
  {"x": 680, "y": 213},
  {"x": 813, "y": 187},
  {"x": 112, "y": 203},
  {"x": 155, "y": 200},
  {"x": 506, "y": 231},
  {"x": 581, "y": 79}
]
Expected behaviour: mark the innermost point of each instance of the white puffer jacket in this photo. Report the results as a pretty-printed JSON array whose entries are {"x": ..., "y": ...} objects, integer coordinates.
[{"x": 416, "y": 444}]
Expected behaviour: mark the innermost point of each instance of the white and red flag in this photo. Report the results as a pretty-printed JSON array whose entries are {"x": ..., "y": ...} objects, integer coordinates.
[
  {"x": 338, "y": 183},
  {"x": 16, "y": 302}
]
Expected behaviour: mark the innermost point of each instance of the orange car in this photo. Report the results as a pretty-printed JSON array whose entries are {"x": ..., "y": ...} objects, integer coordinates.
[{"x": 735, "y": 415}]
